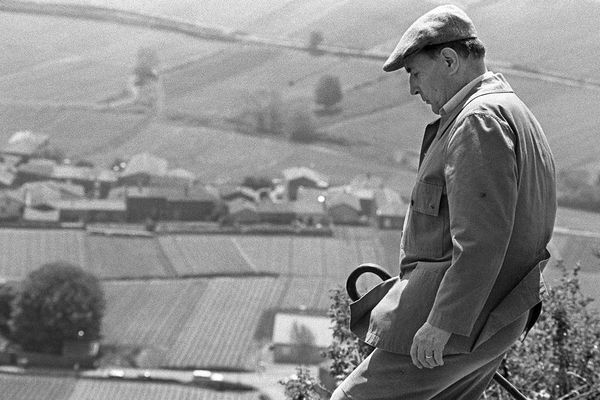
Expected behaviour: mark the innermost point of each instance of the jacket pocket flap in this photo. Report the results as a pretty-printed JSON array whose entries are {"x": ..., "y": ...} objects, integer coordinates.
[{"x": 426, "y": 198}]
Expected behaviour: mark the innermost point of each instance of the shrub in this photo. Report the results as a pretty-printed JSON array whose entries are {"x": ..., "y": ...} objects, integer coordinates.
[
  {"x": 57, "y": 302},
  {"x": 8, "y": 293},
  {"x": 301, "y": 386},
  {"x": 561, "y": 355},
  {"x": 301, "y": 126},
  {"x": 328, "y": 92},
  {"x": 559, "y": 359}
]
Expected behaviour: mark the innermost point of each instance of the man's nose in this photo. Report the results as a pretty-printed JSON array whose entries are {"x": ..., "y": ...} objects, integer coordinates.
[{"x": 414, "y": 90}]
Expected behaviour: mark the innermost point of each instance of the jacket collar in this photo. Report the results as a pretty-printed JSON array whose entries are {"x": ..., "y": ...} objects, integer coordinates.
[{"x": 493, "y": 83}]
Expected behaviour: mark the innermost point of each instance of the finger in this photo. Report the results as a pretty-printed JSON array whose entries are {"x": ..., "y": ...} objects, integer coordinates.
[
  {"x": 438, "y": 356},
  {"x": 422, "y": 357},
  {"x": 413, "y": 355},
  {"x": 429, "y": 360}
]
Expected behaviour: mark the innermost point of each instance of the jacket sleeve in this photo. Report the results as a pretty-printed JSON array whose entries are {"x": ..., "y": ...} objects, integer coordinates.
[{"x": 481, "y": 175}]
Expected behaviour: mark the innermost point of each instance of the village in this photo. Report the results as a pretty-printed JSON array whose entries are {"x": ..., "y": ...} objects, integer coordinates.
[
  {"x": 144, "y": 192},
  {"x": 273, "y": 247}
]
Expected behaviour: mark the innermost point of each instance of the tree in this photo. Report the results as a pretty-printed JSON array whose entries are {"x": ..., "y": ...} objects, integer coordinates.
[
  {"x": 146, "y": 68},
  {"x": 8, "y": 293},
  {"x": 304, "y": 339},
  {"x": 264, "y": 111},
  {"x": 58, "y": 302},
  {"x": 315, "y": 40},
  {"x": 301, "y": 126},
  {"x": 328, "y": 92},
  {"x": 559, "y": 359}
]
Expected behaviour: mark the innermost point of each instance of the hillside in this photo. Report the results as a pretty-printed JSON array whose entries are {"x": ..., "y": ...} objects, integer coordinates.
[
  {"x": 55, "y": 85},
  {"x": 177, "y": 298}
]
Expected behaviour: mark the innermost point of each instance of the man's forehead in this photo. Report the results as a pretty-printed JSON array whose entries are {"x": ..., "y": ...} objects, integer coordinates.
[{"x": 414, "y": 61}]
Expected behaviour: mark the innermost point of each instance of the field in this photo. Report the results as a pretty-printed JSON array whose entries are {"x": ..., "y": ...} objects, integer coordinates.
[
  {"x": 215, "y": 317},
  {"x": 52, "y": 85},
  {"x": 209, "y": 301},
  {"x": 221, "y": 314},
  {"x": 50, "y": 388}
]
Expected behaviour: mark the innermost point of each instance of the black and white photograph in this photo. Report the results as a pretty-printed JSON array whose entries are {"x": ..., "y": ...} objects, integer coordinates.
[{"x": 299, "y": 200}]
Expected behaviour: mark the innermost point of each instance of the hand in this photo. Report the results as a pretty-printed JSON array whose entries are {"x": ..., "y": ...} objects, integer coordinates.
[{"x": 428, "y": 346}]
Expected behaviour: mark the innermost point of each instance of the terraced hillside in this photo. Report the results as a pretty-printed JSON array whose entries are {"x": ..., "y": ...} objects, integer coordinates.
[
  {"x": 55, "y": 85},
  {"x": 200, "y": 301},
  {"x": 207, "y": 301}
]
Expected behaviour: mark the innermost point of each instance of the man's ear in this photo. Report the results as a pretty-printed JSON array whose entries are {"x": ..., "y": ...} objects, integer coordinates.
[{"x": 450, "y": 59}]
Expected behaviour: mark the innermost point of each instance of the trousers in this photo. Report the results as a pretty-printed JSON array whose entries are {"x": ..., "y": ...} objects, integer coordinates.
[{"x": 390, "y": 376}]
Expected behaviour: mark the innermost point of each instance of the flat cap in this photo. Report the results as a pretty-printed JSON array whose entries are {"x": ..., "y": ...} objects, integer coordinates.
[{"x": 443, "y": 24}]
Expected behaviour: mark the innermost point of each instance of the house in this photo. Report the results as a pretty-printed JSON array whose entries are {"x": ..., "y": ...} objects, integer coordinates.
[
  {"x": 83, "y": 176},
  {"x": 172, "y": 178},
  {"x": 276, "y": 213},
  {"x": 8, "y": 175},
  {"x": 145, "y": 203},
  {"x": 311, "y": 194},
  {"x": 105, "y": 180},
  {"x": 366, "y": 181},
  {"x": 391, "y": 215},
  {"x": 385, "y": 195},
  {"x": 25, "y": 144},
  {"x": 194, "y": 203},
  {"x": 191, "y": 203},
  {"x": 96, "y": 182},
  {"x": 141, "y": 168},
  {"x": 11, "y": 206},
  {"x": 299, "y": 338},
  {"x": 310, "y": 212},
  {"x": 365, "y": 196},
  {"x": 297, "y": 177},
  {"x": 46, "y": 214},
  {"x": 40, "y": 198},
  {"x": 33, "y": 171},
  {"x": 239, "y": 192},
  {"x": 40, "y": 194},
  {"x": 241, "y": 211},
  {"x": 344, "y": 208},
  {"x": 87, "y": 211}
]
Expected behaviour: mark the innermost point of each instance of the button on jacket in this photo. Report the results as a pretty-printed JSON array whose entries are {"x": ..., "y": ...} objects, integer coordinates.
[{"x": 474, "y": 244}]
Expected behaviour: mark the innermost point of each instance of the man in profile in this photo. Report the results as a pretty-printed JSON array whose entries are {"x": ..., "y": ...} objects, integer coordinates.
[{"x": 474, "y": 243}]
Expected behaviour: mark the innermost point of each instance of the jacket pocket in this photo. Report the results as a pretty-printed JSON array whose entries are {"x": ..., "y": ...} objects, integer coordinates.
[
  {"x": 396, "y": 316},
  {"x": 425, "y": 232}
]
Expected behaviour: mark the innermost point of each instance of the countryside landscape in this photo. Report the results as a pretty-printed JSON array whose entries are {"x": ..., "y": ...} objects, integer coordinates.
[{"x": 210, "y": 296}]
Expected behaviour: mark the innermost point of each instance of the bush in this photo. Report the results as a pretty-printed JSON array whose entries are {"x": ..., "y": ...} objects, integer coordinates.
[
  {"x": 57, "y": 302},
  {"x": 301, "y": 386},
  {"x": 328, "y": 92},
  {"x": 8, "y": 293},
  {"x": 301, "y": 126},
  {"x": 559, "y": 359},
  {"x": 561, "y": 355}
]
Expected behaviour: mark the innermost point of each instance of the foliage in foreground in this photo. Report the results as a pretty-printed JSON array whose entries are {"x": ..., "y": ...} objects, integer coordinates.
[{"x": 559, "y": 359}]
